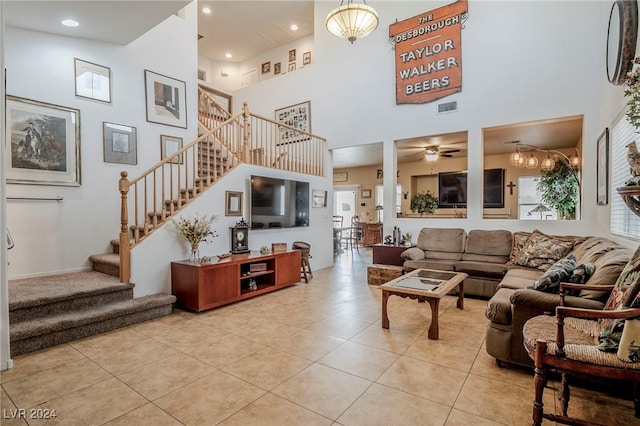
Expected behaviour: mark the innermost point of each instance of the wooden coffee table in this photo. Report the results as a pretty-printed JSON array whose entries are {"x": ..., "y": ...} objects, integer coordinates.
[{"x": 425, "y": 285}]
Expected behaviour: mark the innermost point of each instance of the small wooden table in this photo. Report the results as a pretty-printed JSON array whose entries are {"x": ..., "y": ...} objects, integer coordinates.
[{"x": 425, "y": 285}]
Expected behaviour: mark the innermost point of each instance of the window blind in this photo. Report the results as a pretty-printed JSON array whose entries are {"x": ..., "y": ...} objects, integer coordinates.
[{"x": 623, "y": 221}]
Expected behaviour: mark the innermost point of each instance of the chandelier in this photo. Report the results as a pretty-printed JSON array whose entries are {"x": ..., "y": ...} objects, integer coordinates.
[{"x": 352, "y": 21}]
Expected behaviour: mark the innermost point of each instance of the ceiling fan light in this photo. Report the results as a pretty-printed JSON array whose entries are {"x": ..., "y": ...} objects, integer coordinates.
[
  {"x": 431, "y": 156},
  {"x": 352, "y": 21}
]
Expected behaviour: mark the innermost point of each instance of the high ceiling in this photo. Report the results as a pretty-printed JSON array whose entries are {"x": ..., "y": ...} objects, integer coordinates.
[{"x": 248, "y": 28}]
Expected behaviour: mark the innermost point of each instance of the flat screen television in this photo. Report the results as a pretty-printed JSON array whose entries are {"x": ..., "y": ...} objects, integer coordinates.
[
  {"x": 278, "y": 203},
  {"x": 452, "y": 189}
]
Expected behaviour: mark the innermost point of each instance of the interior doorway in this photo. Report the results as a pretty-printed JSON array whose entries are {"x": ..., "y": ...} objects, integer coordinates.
[{"x": 344, "y": 204}]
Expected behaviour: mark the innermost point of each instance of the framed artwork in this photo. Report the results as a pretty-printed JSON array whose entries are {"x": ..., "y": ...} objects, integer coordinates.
[
  {"x": 306, "y": 58},
  {"x": 233, "y": 203},
  {"x": 169, "y": 145},
  {"x": 292, "y": 55},
  {"x": 292, "y": 66},
  {"x": 379, "y": 174},
  {"x": 93, "y": 81},
  {"x": 120, "y": 143},
  {"x": 603, "y": 168},
  {"x": 319, "y": 198},
  {"x": 42, "y": 143},
  {"x": 224, "y": 99},
  {"x": 277, "y": 68},
  {"x": 296, "y": 116},
  {"x": 249, "y": 78},
  {"x": 365, "y": 193},
  {"x": 340, "y": 177},
  {"x": 266, "y": 67},
  {"x": 166, "y": 100}
]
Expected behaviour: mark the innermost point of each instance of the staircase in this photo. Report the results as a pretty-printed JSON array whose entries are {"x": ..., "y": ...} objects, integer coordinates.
[{"x": 48, "y": 311}]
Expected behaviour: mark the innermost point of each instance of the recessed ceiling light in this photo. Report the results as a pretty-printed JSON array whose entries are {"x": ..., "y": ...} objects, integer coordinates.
[
  {"x": 228, "y": 55},
  {"x": 70, "y": 23},
  {"x": 293, "y": 27},
  {"x": 206, "y": 10}
]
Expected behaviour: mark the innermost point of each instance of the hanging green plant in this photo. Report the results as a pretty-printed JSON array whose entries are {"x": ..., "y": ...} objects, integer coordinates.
[
  {"x": 424, "y": 203},
  {"x": 633, "y": 94},
  {"x": 560, "y": 188}
]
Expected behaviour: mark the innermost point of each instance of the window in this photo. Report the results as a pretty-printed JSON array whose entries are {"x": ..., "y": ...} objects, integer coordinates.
[
  {"x": 530, "y": 206},
  {"x": 623, "y": 221}
]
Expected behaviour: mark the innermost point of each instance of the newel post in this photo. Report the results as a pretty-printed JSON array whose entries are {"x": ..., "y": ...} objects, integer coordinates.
[
  {"x": 246, "y": 133},
  {"x": 125, "y": 245}
]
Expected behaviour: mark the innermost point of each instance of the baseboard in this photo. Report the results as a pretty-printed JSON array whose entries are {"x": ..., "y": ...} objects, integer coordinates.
[{"x": 6, "y": 365}]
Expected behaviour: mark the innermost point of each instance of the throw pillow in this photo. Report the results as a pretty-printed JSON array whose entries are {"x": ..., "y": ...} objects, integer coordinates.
[
  {"x": 582, "y": 273},
  {"x": 414, "y": 253},
  {"x": 560, "y": 271},
  {"x": 541, "y": 251},
  {"x": 519, "y": 240},
  {"x": 624, "y": 292},
  {"x": 629, "y": 350}
]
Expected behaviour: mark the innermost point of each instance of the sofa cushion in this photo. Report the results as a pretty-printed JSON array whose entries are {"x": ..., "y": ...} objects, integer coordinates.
[
  {"x": 490, "y": 243},
  {"x": 499, "y": 307},
  {"x": 485, "y": 258},
  {"x": 519, "y": 278},
  {"x": 483, "y": 269},
  {"x": 439, "y": 264},
  {"x": 558, "y": 272},
  {"x": 541, "y": 250},
  {"x": 430, "y": 254},
  {"x": 609, "y": 265},
  {"x": 442, "y": 239}
]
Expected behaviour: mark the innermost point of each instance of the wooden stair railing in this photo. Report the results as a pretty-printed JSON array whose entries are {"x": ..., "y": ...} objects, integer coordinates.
[{"x": 151, "y": 199}]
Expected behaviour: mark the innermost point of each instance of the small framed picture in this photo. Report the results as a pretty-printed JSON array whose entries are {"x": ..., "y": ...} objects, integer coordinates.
[
  {"x": 292, "y": 66},
  {"x": 266, "y": 67},
  {"x": 365, "y": 193},
  {"x": 603, "y": 168},
  {"x": 169, "y": 145},
  {"x": 292, "y": 55},
  {"x": 166, "y": 99},
  {"x": 306, "y": 58},
  {"x": 277, "y": 68},
  {"x": 319, "y": 198},
  {"x": 340, "y": 177},
  {"x": 120, "y": 144},
  {"x": 93, "y": 81},
  {"x": 233, "y": 203}
]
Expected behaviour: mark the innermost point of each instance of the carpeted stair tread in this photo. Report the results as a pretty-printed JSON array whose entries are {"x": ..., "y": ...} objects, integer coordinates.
[
  {"x": 42, "y": 326},
  {"x": 31, "y": 292},
  {"x": 108, "y": 258}
]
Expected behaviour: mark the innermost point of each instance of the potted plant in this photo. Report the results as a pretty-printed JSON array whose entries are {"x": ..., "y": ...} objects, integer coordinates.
[
  {"x": 195, "y": 231},
  {"x": 632, "y": 92},
  {"x": 424, "y": 203},
  {"x": 560, "y": 188}
]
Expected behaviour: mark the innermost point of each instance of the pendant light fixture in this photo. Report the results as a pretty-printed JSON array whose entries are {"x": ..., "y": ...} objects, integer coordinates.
[{"x": 352, "y": 21}]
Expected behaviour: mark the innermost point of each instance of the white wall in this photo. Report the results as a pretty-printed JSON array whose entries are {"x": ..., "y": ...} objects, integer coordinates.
[
  {"x": 522, "y": 61},
  {"x": 56, "y": 237}
]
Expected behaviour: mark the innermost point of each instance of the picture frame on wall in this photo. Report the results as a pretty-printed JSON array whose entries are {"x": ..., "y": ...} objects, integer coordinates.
[
  {"x": 292, "y": 66},
  {"x": 602, "y": 187},
  {"x": 120, "y": 143},
  {"x": 166, "y": 99},
  {"x": 266, "y": 67},
  {"x": 42, "y": 143},
  {"x": 319, "y": 198},
  {"x": 297, "y": 116},
  {"x": 233, "y": 203},
  {"x": 292, "y": 55},
  {"x": 93, "y": 81},
  {"x": 340, "y": 177},
  {"x": 169, "y": 145},
  {"x": 365, "y": 193},
  {"x": 277, "y": 68},
  {"x": 306, "y": 58}
]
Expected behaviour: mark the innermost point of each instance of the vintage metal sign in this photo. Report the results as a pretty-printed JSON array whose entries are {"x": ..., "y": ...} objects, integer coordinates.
[{"x": 429, "y": 54}]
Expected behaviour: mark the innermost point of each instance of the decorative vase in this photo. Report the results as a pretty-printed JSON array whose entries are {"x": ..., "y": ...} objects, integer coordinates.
[{"x": 195, "y": 252}]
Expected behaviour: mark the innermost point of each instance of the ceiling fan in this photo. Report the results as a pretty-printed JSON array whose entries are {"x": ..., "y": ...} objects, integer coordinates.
[{"x": 432, "y": 153}]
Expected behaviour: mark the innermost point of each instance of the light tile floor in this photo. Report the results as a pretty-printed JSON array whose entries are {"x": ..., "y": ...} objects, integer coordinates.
[{"x": 312, "y": 354}]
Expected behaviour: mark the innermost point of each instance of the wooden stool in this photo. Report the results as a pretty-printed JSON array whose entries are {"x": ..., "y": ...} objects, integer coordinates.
[{"x": 305, "y": 255}]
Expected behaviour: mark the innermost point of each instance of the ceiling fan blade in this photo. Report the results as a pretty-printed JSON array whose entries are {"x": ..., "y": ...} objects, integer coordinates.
[
  {"x": 446, "y": 155},
  {"x": 450, "y": 151}
]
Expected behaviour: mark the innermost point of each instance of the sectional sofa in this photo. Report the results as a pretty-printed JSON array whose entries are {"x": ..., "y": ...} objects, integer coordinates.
[{"x": 503, "y": 266}]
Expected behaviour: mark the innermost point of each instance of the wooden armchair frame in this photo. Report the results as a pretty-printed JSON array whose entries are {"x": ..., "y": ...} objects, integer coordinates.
[{"x": 544, "y": 361}]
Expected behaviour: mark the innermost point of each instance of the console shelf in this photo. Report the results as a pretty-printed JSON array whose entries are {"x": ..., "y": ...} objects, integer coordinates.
[{"x": 202, "y": 286}]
